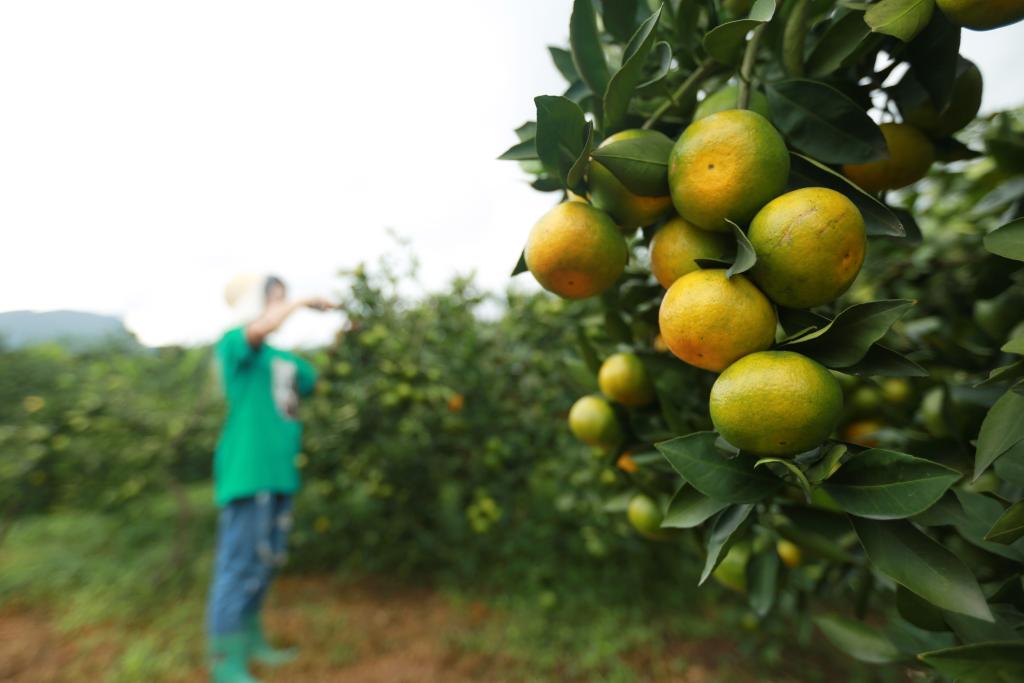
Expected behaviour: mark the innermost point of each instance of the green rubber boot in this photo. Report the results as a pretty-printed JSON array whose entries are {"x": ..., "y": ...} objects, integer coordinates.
[
  {"x": 261, "y": 651},
  {"x": 228, "y": 659}
]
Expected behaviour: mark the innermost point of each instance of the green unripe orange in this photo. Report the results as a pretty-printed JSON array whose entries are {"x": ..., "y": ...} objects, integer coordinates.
[{"x": 775, "y": 403}]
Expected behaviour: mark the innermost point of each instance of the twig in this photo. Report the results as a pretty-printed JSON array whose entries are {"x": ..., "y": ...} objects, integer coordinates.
[
  {"x": 686, "y": 89},
  {"x": 749, "y": 59}
]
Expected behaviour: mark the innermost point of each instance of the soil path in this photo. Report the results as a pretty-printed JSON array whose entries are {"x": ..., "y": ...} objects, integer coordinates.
[{"x": 349, "y": 633}]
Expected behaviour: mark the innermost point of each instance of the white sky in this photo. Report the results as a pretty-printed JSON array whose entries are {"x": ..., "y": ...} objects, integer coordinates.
[{"x": 150, "y": 150}]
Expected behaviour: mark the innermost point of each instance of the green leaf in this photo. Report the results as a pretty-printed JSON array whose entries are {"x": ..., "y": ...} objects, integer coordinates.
[
  {"x": 1009, "y": 527},
  {"x": 623, "y": 84},
  {"x": 723, "y": 527},
  {"x": 746, "y": 257},
  {"x": 619, "y": 18},
  {"x": 725, "y": 42},
  {"x": 858, "y": 640},
  {"x": 819, "y": 532},
  {"x": 563, "y": 62},
  {"x": 1004, "y": 194},
  {"x": 903, "y": 19},
  {"x": 918, "y": 563},
  {"x": 828, "y": 465},
  {"x": 882, "y": 484},
  {"x": 1010, "y": 465},
  {"x": 1001, "y": 430},
  {"x": 971, "y": 630},
  {"x": 839, "y": 44},
  {"x": 521, "y": 151},
  {"x": 883, "y": 361},
  {"x": 981, "y": 512},
  {"x": 690, "y": 508},
  {"x": 585, "y": 44},
  {"x": 562, "y": 134},
  {"x": 698, "y": 462},
  {"x": 1007, "y": 241},
  {"x": 824, "y": 123},
  {"x": 792, "y": 468},
  {"x": 847, "y": 339},
  {"x": 934, "y": 59},
  {"x": 1015, "y": 345},
  {"x": 918, "y": 611},
  {"x": 520, "y": 264},
  {"x": 878, "y": 218},
  {"x": 979, "y": 663},
  {"x": 640, "y": 163},
  {"x": 762, "y": 581},
  {"x": 1007, "y": 373},
  {"x": 663, "y": 57},
  {"x": 578, "y": 170}
]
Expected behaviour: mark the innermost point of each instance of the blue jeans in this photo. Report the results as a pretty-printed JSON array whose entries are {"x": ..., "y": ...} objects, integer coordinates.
[{"x": 252, "y": 536}]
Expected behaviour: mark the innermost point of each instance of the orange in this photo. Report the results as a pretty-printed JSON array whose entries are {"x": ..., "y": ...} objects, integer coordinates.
[
  {"x": 626, "y": 463},
  {"x": 456, "y": 402},
  {"x": 727, "y": 166},
  {"x": 709, "y": 320},
  {"x": 810, "y": 246},
  {"x": 608, "y": 193},
  {"x": 775, "y": 403},
  {"x": 576, "y": 251},
  {"x": 593, "y": 422},
  {"x": 963, "y": 105},
  {"x": 623, "y": 379},
  {"x": 789, "y": 553},
  {"x": 862, "y": 432},
  {"x": 678, "y": 244},
  {"x": 982, "y": 15},
  {"x": 732, "y": 572},
  {"x": 645, "y": 516},
  {"x": 911, "y": 154},
  {"x": 727, "y": 98}
]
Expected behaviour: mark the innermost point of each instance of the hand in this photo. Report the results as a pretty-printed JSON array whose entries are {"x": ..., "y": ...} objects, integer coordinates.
[{"x": 318, "y": 303}]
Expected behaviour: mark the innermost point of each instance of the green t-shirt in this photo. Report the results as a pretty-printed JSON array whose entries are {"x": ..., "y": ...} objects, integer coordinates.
[{"x": 262, "y": 434}]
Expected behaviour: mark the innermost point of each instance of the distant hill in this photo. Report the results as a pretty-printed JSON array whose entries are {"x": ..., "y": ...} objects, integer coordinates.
[{"x": 74, "y": 329}]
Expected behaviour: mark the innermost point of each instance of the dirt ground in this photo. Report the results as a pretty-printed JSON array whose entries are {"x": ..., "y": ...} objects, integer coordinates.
[{"x": 361, "y": 633}]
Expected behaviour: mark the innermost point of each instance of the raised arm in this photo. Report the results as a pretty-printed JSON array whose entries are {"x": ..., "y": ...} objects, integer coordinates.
[{"x": 275, "y": 315}]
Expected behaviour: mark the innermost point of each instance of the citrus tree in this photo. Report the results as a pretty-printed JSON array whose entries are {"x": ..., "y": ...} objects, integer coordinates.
[{"x": 808, "y": 357}]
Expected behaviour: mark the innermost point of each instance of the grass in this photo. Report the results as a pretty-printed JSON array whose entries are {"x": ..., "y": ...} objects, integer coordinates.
[{"x": 113, "y": 593}]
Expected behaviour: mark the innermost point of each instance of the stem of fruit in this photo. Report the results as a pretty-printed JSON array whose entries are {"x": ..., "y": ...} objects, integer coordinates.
[
  {"x": 686, "y": 89},
  {"x": 749, "y": 58}
]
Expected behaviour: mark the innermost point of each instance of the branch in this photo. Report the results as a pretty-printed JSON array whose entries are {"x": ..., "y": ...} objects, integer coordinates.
[
  {"x": 749, "y": 59},
  {"x": 687, "y": 88}
]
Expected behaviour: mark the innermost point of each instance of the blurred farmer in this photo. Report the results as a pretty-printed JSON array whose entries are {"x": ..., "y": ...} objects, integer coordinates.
[{"x": 255, "y": 474}]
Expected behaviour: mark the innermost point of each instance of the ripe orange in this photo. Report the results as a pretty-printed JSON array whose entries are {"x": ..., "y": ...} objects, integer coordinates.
[
  {"x": 608, "y": 193},
  {"x": 727, "y": 98},
  {"x": 775, "y": 403},
  {"x": 982, "y": 15},
  {"x": 626, "y": 463},
  {"x": 862, "y": 432},
  {"x": 593, "y": 422},
  {"x": 456, "y": 402},
  {"x": 576, "y": 251},
  {"x": 623, "y": 379},
  {"x": 709, "y": 320},
  {"x": 810, "y": 246},
  {"x": 727, "y": 165},
  {"x": 677, "y": 245},
  {"x": 911, "y": 154}
]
